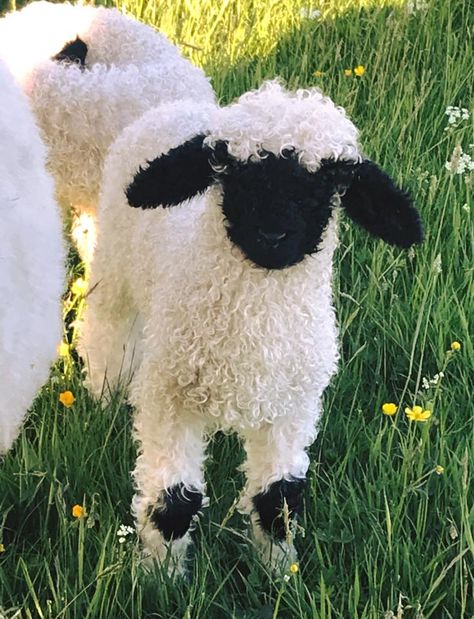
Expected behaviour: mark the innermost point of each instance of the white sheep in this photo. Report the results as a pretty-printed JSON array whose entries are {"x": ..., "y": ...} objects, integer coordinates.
[
  {"x": 218, "y": 313},
  {"x": 84, "y": 92},
  {"x": 31, "y": 262}
]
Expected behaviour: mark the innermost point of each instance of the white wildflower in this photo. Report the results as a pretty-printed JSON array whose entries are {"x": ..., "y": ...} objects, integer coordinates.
[
  {"x": 123, "y": 531},
  {"x": 456, "y": 115},
  {"x": 466, "y": 207},
  {"x": 460, "y": 162},
  {"x": 427, "y": 383}
]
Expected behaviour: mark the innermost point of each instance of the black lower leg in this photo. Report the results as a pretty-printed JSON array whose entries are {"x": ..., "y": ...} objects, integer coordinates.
[
  {"x": 270, "y": 505},
  {"x": 174, "y": 511}
]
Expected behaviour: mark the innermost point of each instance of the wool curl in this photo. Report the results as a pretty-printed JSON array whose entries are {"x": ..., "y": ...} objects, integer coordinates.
[
  {"x": 205, "y": 338},
  {"x": 270, "y": 120},
  {"x": 31, "y": 262},
  {"x": 129, "y": 68}
]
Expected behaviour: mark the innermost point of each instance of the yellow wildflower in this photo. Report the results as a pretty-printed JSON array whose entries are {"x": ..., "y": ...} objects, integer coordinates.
[
  {"x": 417, "y": 413},
  {"x": 348, "y": 72},
  {"x": 78, "y": 511},
  {"x": 2, "y": 548},
  {"x": 318, "y": 73},
  {"x": 294, "y": 568},
  {"x": 359, "y": 70},
  {"x": 67, "y": 398},
  {"x": 389, "y": 408},
  {"x": 439, "y": 470},
  {"x": 79, "y": 287},
  {"x": 63, "y": 349},
  {"x": 455, "y": 346}
]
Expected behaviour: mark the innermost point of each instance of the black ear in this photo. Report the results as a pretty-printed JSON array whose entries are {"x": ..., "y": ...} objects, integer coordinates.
[
  {"x": 74, "y": 51},
  {"x": 178, "y": 175},
  {"x": 373, "y": 201}
]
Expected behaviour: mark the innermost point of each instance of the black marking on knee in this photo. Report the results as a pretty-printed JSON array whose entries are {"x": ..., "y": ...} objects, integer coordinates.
[
  {"x": 269, "y": 505},
  {"x": 74, "y": 51},
  {"x": 177, "y": 506}
]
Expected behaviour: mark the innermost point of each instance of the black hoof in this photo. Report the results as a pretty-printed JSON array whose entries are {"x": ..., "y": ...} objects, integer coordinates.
[
  {"x": 270, "y": 505},
  {"x": 74, "y": 51},
  {"x": 177, "y": 506}
]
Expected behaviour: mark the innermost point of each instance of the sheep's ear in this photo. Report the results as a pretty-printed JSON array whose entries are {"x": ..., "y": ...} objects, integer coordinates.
[
  {"x": 74, "y": 51},
  {"x": 178, "y": 175},
  {"x": 373, "y": 201}
]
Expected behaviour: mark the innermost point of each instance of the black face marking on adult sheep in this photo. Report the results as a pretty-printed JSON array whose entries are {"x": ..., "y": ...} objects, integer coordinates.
[{"x": 74, "y": 51}]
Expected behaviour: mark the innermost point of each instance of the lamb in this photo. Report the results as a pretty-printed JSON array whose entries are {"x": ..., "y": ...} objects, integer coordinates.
[
  {"x": 89, "y": 72},
  {"x": 217, "y": 313},
  {"x": 31, "y": 262}
]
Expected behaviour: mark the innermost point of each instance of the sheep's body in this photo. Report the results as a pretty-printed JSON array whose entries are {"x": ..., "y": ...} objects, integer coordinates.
[
  {"x": 129, "y": 68},
  {"x": 31, "y": 262},
  {"x": 211, "y": 341}
]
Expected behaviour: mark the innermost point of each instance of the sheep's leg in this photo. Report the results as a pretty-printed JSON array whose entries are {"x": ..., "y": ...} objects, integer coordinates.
[
  {"x": 169, "y": 482},
  {"x": 109, "y": 336},
  {"x": 276, "y": 468}
]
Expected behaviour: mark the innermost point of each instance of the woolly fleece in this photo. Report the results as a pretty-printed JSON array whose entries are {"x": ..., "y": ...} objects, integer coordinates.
[
  {"x": 209, "y": 340},
  {"x": 129, "y": 69},
  {"x": 31, "y": 262}
]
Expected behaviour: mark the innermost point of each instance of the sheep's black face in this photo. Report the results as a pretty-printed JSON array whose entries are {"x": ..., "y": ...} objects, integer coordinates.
[{"x": 276, "y": 210}]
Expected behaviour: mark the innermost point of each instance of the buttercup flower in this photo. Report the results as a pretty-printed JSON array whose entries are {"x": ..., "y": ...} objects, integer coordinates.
[
  {"x": 455, "y": 346},
  {"x": 79, "y": 287},
  {"x": 67, "y": 398},
  {"x": 348, "y": 72},
  {"x": 2, "y": 548},
  {"x": 359, "y": 70},
  {"x": 318, "y": 73},
  {"x": 389, "y": 409},
  {"x": 417, "y": 413},
  {"x": 439, "y": 470},
  {"x": 78, "y": 511},
  {"x": 294, "y": 568}
]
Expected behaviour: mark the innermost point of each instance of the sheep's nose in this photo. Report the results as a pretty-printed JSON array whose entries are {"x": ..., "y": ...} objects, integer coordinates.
[{"x": 272, "y": 237}]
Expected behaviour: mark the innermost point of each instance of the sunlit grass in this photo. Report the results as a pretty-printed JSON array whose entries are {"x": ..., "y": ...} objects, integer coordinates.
[{"x": 386, "y": 534}]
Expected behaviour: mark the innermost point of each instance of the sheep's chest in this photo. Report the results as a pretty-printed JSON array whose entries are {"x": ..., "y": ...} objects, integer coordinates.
[{"x": 250, "y": 349}]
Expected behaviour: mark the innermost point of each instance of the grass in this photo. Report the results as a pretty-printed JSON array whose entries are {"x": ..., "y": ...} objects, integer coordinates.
[{"x": 383, "y": 535}]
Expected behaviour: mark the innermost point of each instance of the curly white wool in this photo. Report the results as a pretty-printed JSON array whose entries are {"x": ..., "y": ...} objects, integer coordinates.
[
  {"x": 209, "y": 339},
  {"x": 129, "y": 69},
  {"x": 305, "y": 120},
  {"x": 31, "y": 262}
]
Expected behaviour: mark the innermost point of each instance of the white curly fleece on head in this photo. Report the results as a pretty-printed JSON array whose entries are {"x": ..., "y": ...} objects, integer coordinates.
[
  {"x": 31, "y": 262},
  {"x": 272, "y": 119}
]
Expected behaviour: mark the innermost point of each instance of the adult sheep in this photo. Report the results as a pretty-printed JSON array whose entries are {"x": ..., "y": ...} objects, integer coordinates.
[
  {"x": 89, "y": 72},
  {"x": 31, "y": 262},
  {"x": 219, "y": 310}
]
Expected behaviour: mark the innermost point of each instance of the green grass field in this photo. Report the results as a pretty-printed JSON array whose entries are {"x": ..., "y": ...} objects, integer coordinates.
[{"x": 386, "y": 533}]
